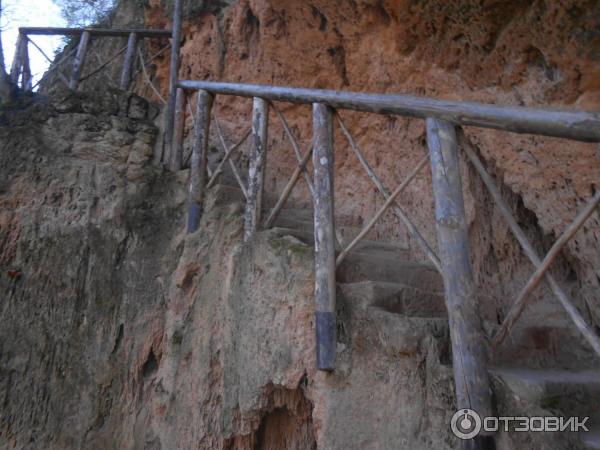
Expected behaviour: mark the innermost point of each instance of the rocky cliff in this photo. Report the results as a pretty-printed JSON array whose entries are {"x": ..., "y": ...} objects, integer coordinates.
[
  {"x": 511, "y": 53},
  {"x": 119, "y": 330}
]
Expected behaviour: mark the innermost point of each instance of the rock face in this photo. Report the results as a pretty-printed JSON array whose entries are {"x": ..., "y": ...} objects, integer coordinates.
[
  {"x": 537, "y": 53},
  {"x": 121, "y": 331}
]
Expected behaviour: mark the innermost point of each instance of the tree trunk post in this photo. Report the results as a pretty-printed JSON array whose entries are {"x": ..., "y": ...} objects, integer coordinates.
[
  {"x": 173, "y": 73},
  {"x": 26, "y": 82},
  {"x": 468, "y": 341},
  {"x": 128, "y": 62},
  {"x": 79, "y": 60},
  {"x": 324, "y": 236},
  {"x": 198, "y": 169},
  {"x": 176, "y": 157},
  {"x": 256, "y": 167},
  {"x": 17, "y": 63}
]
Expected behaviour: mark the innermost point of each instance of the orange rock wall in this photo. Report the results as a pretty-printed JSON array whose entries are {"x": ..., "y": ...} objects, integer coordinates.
[{"x": 528, "y": 53}]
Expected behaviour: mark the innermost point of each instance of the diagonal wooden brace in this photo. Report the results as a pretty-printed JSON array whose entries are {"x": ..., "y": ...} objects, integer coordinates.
[
  {"x": 523, "y": 299},
  {"x": 533, "y": 256},
  {"x": 295, "y": 146},
  {"x": 412, "y": 229},
  {"x": 228, "y": 153},
  {"x": 288, "y": 189},
  {"x": 226, "y": 158},
  {"x": 391, "y": 199}
]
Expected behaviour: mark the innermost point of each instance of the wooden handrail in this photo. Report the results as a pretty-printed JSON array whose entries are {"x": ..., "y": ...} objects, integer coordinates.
[
  {"x": 52, "y": 31},
  {"x": 576, "y": 125}
]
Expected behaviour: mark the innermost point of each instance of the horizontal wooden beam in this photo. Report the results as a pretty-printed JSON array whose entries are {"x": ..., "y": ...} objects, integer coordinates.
[
  {"x": 577, "y": 125},
  {"x": 45, "y": 31}
]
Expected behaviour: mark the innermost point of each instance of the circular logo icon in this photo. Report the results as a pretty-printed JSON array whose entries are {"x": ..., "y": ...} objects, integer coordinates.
[{"x": 465, "y": 424}]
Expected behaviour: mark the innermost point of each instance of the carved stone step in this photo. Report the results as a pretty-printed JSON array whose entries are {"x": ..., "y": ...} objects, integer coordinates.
[
  {"x": 564, "y": 392},
  {"x": 541, "y": 345},
  {"x": 344, "y": 233},
  {"x": 307, "y": 215},
  {"x": 224, "y": 194},
  {"x": 390, "y": 249},
  {"x": 396, "y": 298},
  {"x": 377, "y": 324},
  {"x": 539, "y": 392},
  {"x": 374, "y": 266}
]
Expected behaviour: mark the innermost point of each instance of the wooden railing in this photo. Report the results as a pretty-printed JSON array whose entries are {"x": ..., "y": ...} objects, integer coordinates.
[
  {"x": 21, "y": 71},
  {"x": 444, "y": 137}
]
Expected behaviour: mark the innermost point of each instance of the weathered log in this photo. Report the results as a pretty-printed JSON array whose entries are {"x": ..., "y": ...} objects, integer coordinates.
[
  {"x": 256, "y": 167},
  {"x": 177, "y": 147},
  {"x": 173, "y": 72},
  {"x": 288, "y": 189},
  {"x": 524, "y": 298},
  {"x": 412, "y": 229},
  {"x": 79, "y": 60},
  {"x": 468, "y": 340},
  {"x": 113, "y": 32},
  {"x": 390, "y": 200},
  {"x": 128, "y": 61},
  {"x": 531, "y": 253},
  {"x": 325, "y": 313},
  {"x": 577, "y": 125},
  {"x": 199, "y": 162},
  {"x": 27, "y": 79},
  {"x": 17, "y": 63}
]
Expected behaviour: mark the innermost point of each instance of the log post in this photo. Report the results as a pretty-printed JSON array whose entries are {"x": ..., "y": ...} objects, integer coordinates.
[
  {"x": 128, "y": 62},
  {"x": 468, "y": 341},
  {"x": 324, "y": 236},
  {"x": 173, "y": 73},
  {"x": 79, "y": 60},
  {"x": 256, "y": 167},
  {"x": 176, "y": 156},
  {"x": 26, "y": 82},
  {"x": 198, "y": 168},
  {"x": 17, "y": 63}
]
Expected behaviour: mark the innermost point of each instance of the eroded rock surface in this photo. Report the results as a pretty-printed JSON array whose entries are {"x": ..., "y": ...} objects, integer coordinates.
[
  {"x": 538, "y": 54},
  {"x": 121, "y": 331}
]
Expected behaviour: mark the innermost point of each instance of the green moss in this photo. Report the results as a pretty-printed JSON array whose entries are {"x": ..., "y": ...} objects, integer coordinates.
[
  {"x": 284, "y": 245},
  {"x": 177, "y": 338}
]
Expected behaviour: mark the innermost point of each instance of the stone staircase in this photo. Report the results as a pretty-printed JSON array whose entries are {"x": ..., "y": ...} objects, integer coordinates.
[{"x": 379, "y": 276}]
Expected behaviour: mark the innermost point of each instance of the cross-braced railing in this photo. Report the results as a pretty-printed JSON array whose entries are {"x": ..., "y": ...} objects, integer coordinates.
[
  {"x": 77, "y": 57},
  {"x": 444, "y": 137}
]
